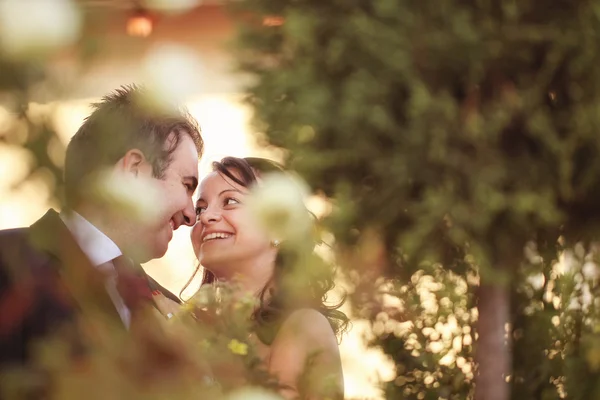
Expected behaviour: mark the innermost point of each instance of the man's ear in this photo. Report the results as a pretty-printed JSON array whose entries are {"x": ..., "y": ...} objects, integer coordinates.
[{"x": 134, "y": 162}]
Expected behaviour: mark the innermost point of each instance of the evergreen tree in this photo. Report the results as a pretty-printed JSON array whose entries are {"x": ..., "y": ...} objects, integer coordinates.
[{"x": 459, "y": 142}]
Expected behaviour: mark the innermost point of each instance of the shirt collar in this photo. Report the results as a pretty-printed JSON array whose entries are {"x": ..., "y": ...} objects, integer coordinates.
[{"x": 98, "y": 247}]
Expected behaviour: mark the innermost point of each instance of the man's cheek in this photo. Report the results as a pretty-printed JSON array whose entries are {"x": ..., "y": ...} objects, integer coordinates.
[{"x": 138, "y": 198}]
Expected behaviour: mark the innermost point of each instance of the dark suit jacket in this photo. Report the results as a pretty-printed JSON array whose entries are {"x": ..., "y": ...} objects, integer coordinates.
[{"x": 45, "y": 282}]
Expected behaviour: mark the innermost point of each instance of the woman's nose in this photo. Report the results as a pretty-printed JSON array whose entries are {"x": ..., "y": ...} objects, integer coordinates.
[{"x": 210, "y": 216}]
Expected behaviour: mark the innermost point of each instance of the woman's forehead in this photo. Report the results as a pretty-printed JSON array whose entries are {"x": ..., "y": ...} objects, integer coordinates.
[{"x": 215, "y": 182}]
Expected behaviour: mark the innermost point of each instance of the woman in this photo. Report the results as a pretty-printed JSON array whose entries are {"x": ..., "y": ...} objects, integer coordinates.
[{"x": 296, "y": 331}]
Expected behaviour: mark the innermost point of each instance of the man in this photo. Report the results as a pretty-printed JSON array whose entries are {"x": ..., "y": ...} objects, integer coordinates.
[{"x": 87, "y": 257}]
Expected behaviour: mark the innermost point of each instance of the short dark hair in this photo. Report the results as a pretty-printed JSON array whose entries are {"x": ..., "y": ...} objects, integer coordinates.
[{"x": 121, "y": 121}]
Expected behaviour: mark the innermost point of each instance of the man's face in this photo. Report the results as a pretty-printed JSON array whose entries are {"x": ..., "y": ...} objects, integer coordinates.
[{"x": 174, "y": 206}]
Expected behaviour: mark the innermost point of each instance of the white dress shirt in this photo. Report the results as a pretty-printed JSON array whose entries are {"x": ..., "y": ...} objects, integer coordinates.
[{"x": 100, "y": 250}]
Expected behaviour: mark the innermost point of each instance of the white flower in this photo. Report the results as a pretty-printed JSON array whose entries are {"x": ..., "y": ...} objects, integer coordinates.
[
  {"x": 277, "y": 202},
  {"x": 29, "y": 28},
  {"x": 173, "y": 6},
  {"x": 135, "y": 196},
  {"x": 171, "y": 74}
]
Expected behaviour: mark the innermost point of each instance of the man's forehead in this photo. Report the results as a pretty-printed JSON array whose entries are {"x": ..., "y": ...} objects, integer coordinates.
[{"x": 186, "y": 157}]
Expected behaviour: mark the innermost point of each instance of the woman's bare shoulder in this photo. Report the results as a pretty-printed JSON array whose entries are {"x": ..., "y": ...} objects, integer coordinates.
[
  {"x": 306, "y": 356},
  {"x": 310, "y": 326}
]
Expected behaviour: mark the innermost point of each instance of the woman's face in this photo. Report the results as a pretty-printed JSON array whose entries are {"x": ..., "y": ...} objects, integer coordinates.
[{"x": 225, "y": 235}]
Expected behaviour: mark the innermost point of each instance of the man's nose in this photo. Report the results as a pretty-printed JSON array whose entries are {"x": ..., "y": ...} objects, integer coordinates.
[{"x": 189, "y": 215}]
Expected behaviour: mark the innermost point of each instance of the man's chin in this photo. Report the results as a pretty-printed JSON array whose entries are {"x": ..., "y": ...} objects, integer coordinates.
[
  {"x": 160, "y": 254},
  {"x": 161, "y": 248},
  {"x": 142, "y": 254}
]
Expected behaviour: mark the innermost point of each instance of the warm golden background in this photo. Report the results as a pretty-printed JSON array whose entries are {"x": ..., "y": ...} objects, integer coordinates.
[{"x": 214, "y": 98}]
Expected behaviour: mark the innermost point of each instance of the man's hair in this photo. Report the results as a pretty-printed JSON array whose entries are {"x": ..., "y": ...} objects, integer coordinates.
[{"x": 122, "y": 121}]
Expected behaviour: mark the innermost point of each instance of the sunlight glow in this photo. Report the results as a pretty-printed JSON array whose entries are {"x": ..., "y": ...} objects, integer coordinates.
[{"x": 225, "y": 125}]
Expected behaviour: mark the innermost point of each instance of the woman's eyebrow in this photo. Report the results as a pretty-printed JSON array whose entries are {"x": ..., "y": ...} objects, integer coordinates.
[
  {"x": 201, "y": 199},
  {"x": 230, "y": 190}
]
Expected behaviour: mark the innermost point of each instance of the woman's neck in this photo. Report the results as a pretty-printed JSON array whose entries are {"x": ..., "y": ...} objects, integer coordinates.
[
  {"x": 244, "y": 285},
  {"x": 249, "y": 279}
]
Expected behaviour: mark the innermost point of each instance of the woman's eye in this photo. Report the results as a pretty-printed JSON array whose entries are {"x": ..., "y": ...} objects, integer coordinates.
[
  {"x": 200, "y": 210},
  {"x": 231, "y": 201}
]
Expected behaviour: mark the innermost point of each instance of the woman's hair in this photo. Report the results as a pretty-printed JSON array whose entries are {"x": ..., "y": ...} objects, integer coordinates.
[{"x": 301, "y": 279}]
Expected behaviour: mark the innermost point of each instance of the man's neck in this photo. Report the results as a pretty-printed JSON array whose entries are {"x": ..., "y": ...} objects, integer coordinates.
[
  {"x": 121, "y": 232},
  {"x": 100, "y": 221}
]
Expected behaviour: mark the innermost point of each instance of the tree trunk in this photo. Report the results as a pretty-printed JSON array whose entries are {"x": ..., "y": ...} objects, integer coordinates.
[{"x": 492, "y": 354}]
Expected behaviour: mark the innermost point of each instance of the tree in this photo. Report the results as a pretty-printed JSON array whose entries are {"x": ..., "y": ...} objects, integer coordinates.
[{"x": 458, "y": 140}]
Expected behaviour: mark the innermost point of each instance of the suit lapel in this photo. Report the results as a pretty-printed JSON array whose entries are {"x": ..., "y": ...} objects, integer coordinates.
[
  {"x": 163, "y": 300},
  {"x": 155, "y": 286},
  {"x": 46, "y": 232},
  {"x": 50, "y": 235}
]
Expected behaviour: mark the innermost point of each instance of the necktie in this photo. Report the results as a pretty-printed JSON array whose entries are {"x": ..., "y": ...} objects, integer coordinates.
[{"x": 132, "y": 285}]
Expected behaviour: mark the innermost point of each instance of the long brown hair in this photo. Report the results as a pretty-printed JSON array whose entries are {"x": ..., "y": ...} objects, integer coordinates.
[{"x": 301, "y": 279}]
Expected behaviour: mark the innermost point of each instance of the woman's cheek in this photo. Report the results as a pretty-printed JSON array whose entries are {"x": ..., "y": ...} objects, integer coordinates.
[{"x": 195, "y": 238}]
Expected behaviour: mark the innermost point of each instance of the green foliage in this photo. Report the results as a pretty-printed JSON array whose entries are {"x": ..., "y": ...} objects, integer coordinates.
[
  {"x": 205, "y": 351},
  {"x": 431, "y": 338},
  {"x": 416, "y": 111},
  {"x": 454, "y": 132}
]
